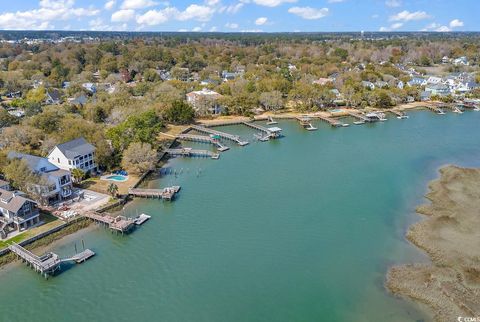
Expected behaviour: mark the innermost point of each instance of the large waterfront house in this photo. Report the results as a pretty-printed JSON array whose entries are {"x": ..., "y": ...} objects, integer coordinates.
[
  {"x": 74, "y": 154},
  {"x": 438, "y": 89},
  {"x": 55, "y": 184},
  {"x": 204, "y": 102},
  {"x": 16, "y": 212}
]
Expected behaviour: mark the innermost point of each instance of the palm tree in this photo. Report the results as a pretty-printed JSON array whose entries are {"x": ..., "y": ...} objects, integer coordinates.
[
  {"x": 113, "y": 189},
  {"x": 78, "y": 175}
]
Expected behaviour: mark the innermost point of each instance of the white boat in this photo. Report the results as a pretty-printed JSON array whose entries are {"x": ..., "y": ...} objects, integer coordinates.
[
  {"x": 345, "y": 125},
  {"x": 310, "y": 127},
  {"x": 441, "y": 112},
  {"x": 403, "y": 117},
  {"x": 271, "y": 121},
  {"x": 359, "y": 122},
  {"x": 476, "y": 109}
]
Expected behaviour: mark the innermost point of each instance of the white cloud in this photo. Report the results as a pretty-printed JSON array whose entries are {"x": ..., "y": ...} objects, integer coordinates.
[
  {"x": 261, "y": 21},
  {"x": 42, "y": 17},
  {"x": 213, "y": 29},
  {"x": 109, "y": 4},
  {"x": 394, "y": 26},
  {"x": 157, "y": 17},
  {"x": 234, "y": 8},
  {"x": 138, "y": 4},
  {"x": 393, "y": 3},
  {"x": 455, "y": 23},
  {"x": 443, "y": 29},
  {"x": 231, "y": 25},
  {"x": 197, "y": 29},
  {"x": 196, "y": 12},
  {"x": 409, "y": 16},
  {"x": 273, "y": 3},
  {"x": 335, "y": 1},
  {"x": 123, "y": 15},
  {"x": 309, "y": 12}
]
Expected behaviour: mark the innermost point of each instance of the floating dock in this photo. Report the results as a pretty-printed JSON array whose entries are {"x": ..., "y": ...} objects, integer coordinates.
[
  {"x": 165, "y": 193},
  {"x": 139, "y": 220},
  {"x": 189, "y": 152},
  {"x": 48, "y": 263},
  {"x": 271, "y": 121},
  {"x": 223, "y": 135},
  {"x": 453, "y": 107},
  {"x": 398, "y": 114}
]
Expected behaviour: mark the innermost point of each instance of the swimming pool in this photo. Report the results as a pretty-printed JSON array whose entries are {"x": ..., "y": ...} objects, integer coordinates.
[{"x": 116, "y": 177}]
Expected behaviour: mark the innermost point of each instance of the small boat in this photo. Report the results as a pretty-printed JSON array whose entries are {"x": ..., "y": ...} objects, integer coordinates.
[
  {"x": 441, "y": 112},
  {"x": 359, "y": 122},
  {"x": 271, "y": 121},
  {"x": 310, "y": 127},
  {"x": 345, "y": 125},
  {"x": 403, "y": 117},
  {"x": 476, "y": 109}
]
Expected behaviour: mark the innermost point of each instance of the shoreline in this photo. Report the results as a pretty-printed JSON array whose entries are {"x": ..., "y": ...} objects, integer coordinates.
[
  {"x": 221, "y": 121},
  {"x": 450, "y": 284}
]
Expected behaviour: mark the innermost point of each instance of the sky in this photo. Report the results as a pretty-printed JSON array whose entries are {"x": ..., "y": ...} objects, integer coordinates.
[{"x": 241, "y": 15}]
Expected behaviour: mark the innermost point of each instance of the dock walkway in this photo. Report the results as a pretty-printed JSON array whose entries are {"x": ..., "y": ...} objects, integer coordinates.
[
  {"x": 358, "y": 116},
  {"x": 165, "y": 193},
  {"x": 189, "y": 152},
  {"x": 48, "y": 263},
  {"x": 333, "y": 122},
  {"x": 223, "y": 135},
  {"x": 202, "y": 139}
]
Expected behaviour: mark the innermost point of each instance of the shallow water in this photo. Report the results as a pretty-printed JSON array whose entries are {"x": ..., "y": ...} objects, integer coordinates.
[{"x": 299, "y": 229}]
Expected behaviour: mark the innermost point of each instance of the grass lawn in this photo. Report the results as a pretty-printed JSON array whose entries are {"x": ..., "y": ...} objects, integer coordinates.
[{"x": 50, "y": 222}]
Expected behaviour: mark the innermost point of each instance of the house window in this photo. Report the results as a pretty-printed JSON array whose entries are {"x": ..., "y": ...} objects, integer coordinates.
[
  {"x": 58, "y": 160},
  {"x": 69, "y": 162}
]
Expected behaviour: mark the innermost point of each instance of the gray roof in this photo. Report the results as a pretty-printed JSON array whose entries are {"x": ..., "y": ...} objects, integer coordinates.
[
  {"x": 74, "y": 148},
  {"x": 54, "y": 94},
  {"x": 32, "y": 160},
  {"x": 13, "y": 202},
  {"x": 4, "y": 183}
]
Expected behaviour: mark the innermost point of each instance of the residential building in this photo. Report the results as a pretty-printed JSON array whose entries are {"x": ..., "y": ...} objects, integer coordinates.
[
  {"x": 369, "y": 85},
  {"x": 434, "y": 80},
  {"x": 54, "y": 97},
  {"x": 438, "y": 89},
  {"x": 417, "y": 81},
  {"x": 16, "y": 212},
  {"x": 80, "y": 100},
  {"x": 74, "y": 154},
  {"x": 205, "y": 102},
  {"x": 461, "y": 61},
  {"x": 91, "y": 87},
  {"x": 55, "y": 184}
]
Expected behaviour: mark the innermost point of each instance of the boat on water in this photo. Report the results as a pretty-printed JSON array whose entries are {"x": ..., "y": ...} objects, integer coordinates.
[
  {"x": 476, "y": 109},
  {"x": 345, "y": 125},
  {"x": 359, "y": 122},
  {"x": 376, "y": 117},
  {"x": 402, "y": 117},
  {"x": 310, "y": 127},
  {"x": 441, "y": 112},
  {"x": 271, "y": 121}
]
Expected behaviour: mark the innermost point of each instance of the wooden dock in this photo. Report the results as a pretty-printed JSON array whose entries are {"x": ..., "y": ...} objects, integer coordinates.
[
  {"x": 453, "y": 107},
  {"x": 398, "y": 114},
  {"x": 189, "y": 152},
  {"x": 165, "y": 193},
  {"x": 223, "y": 135},
  {"x": 333, "y": 122},
  {"x": 435, "y": 109},
  {"x": 120, "y": 223},
  {"x": 358, "y": 116},
  {"x": 305, "y": 122},
  {"x": 265, "y": 133},
  {"x": 202, "y": 139},
  {"x": 48, "y": 263}
]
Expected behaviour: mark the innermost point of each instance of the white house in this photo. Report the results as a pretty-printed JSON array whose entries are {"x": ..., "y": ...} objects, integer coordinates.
[
  {"x": 204, "y": 102},
  {"x": 75, "y": 154},
  {"x": 56, "y": 183},
  {"x": 434, "y": 80}
]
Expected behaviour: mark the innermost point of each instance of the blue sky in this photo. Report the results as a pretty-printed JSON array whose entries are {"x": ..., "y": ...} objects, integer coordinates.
[{"x": 241, "y": 15}]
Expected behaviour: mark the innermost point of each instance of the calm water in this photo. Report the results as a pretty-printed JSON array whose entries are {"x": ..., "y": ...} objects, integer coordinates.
[{"x": 300, "y": 229}]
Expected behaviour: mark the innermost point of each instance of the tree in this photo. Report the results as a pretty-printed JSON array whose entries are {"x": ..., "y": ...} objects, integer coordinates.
[
  {"x": 179, "y": 112},
  {"x": 37, "y": 95},
  {"x": 19, "y": 174},
  {"x": 143, "y": 127},
  {"x": 6, "y": 119},
  {"x": 78, "y": 175},
  {"x": 272, "y": 100},
  {"x": 112, "y": 189},
  {"x": 139, "y": 158}
]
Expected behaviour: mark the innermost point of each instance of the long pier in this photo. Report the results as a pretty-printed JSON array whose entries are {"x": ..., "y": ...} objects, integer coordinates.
[
  {"x": 223, "y": 135},
  {"x": 268, "y": 133},
  {"x": 202, "y": 139},
  {"x": 434, "y": 108},
  {"x": 189, "y": 152},
  {"x": 358, "y": 116},
  {"x": 453, "y": 107},
  {"x": 399, "y": 114},
  {"x": 165, "y": 193},
  {"x": 48, "y": 263},
  {"x": 333, "y": 122}
]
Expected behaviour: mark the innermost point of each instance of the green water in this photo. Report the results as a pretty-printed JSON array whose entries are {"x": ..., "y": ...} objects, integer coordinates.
[{"x": 300, "y": 229}]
